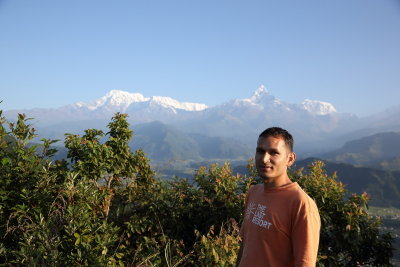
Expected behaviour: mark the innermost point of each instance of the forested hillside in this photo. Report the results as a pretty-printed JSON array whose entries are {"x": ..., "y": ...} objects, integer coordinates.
[
  {"x": 383, "y": 187},
  {"x": 379, "y": 150}
]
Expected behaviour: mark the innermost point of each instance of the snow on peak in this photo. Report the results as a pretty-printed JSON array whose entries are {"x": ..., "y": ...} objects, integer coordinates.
[
  {"x": 118, "y": 97},
  {"x": 318, "y": 107},
  {"x": 114, "y": 99},
  {"x": 259, "y": 93},
  {"x": 122, "y": 99},
  {"x": 117, "y": 100},
  {"x": 261, "y": 100},
  {"x": 170, "y": 102}
]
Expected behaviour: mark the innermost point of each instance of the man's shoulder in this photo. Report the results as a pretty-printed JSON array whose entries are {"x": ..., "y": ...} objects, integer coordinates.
[{"x": 300, "y": 195}]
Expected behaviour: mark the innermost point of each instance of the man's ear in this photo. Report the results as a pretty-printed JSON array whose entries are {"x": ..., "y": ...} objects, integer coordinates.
[{"x": 291, "y": 158}]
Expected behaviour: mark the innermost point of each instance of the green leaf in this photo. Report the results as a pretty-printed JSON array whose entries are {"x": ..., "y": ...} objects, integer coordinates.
[
  {"x": 6, "y": 161},
  {"x": 78, "y": 239}
]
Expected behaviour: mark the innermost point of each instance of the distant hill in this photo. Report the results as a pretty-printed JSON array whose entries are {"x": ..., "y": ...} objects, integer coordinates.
[
  {"x": 382, "y": 186},
  {"x": 163, "y": 142},
  {"x": 380, "y": 150}
]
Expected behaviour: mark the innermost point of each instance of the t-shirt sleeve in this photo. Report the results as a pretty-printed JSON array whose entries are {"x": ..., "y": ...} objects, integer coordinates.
[{"x": 305, "y": 233}]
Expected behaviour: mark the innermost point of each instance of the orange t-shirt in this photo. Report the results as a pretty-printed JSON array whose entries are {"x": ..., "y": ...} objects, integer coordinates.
[{"x": 280, "y": 228}]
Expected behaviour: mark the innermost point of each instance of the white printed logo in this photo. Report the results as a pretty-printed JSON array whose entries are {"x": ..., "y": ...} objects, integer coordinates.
[{"x": 258, "y": 215}]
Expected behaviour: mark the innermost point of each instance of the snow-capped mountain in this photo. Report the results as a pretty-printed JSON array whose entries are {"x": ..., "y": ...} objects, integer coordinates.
[
  {"x": 145, "y": 109},
  {"x": 263, "y": 100},
  {"x": 115, "y": 99},
  {"x": 121, "y": 101},
  {"x": 262, "y": 95},
  {"x": 318, "y": 107},
  {"x": 139, "y": 108},
  {"x": 245, "y": 118},
  {"x": 260, "y": 99},
  {"x": 312, "y": 121}
]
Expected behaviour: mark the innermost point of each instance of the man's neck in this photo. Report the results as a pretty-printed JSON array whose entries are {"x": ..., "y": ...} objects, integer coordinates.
[{"x": 275, "y": 183}]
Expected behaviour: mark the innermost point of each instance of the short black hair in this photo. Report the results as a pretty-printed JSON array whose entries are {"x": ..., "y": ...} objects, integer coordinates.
[{"x": 279, "y": 132}]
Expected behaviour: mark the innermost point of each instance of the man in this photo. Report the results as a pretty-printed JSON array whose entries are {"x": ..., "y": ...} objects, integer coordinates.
[{"x": 281, "y": 223}]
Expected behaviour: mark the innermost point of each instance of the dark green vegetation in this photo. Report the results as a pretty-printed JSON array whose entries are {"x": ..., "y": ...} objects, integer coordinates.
[
  {"x": 105, "y": 207},
  {"x": 390, "y": 223}
]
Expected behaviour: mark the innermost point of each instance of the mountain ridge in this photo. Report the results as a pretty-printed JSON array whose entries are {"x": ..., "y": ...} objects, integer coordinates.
[
  {"x": 316, "y": 125},
  {"x": 118, "y": 100},
  {"x": 380, "y": 150}
]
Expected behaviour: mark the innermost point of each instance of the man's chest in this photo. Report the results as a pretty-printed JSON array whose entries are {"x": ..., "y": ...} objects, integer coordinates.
[{"x": 268, "y": 215}]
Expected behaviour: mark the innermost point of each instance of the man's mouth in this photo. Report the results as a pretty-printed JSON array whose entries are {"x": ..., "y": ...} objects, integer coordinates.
[{"x": 266, "y": 168}]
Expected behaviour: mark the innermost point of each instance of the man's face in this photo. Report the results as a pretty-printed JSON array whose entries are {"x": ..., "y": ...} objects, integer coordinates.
[{"x": 272, "y": 158}]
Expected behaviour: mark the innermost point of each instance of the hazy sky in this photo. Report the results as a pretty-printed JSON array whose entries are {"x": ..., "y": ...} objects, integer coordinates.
[{"x": 346, "y": 52}]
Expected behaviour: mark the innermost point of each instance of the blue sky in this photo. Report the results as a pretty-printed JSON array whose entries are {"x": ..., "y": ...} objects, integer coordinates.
[{"x": 345, "y": 52}]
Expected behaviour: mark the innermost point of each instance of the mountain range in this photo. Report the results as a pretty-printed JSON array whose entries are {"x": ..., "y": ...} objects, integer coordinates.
[{"x": 316, "y": 125}]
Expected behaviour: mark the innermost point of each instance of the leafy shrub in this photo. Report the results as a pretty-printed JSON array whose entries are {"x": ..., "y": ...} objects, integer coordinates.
[{"x": 218, "y": 249}]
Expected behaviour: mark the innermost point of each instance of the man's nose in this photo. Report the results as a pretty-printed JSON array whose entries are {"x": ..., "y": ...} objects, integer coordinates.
[{"x": 266, "y": 157}]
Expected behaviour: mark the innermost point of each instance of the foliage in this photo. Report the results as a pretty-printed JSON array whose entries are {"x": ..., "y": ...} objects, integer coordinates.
[
  {"x": 105, "y": 207},
  {"x": 218, "y": 249},
  {"x": 28, "y": 182}
]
